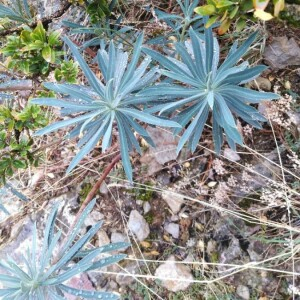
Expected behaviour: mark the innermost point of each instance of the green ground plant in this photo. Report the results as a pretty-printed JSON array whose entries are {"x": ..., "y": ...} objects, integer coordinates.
[
  {"x": 33, "y": 51},
  {"x": 68, "y": 72},
  {"x": 15, "y": 138},
  {"x": 227, "y": 12}
]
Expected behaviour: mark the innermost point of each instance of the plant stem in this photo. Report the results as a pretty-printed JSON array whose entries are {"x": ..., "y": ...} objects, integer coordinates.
[
  {"x": 184, "y": 27},
  {"x": 93, "y": 191}
]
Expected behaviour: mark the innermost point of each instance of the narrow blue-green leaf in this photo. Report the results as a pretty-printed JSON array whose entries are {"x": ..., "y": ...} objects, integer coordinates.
[
  {"x": 45, "y": 259},
  {"x": 180, "y": 103},
  {"x": 248, "y": 95},
  {"x": 76, "y": 91},
  {"x": 222, "y": 75},
  {"x": 78, "y": 225},
  {"x": 90, "y": 130},
  {"x": 91, "y": 77},
  {"x": 121, "y": 62},
  {"x": 107, "y": 136},
  {"x": 105, "y": 248},
  {"x": 7, "y": 278},
  {"x": 181, "y": 78},
  {"x": 244, "y": 76},
  {"x": 124, "y": 149},
  {"x": 16, "y": 269},
  {"x": 63, "y": 103},
  {"x": 88, "y": 147},
  {"x": 199, "y": 128},
  {"x": 111, "y": 61},
  {"x": 149, "y": 119},
  {"x": 217, "y": 135},
  {"x": 134, "y": 60},
  {"x": 188, "y": 132},
  {"x": 65, "y": 123},
  {"x": 225, "y": 111},
  {"x": 210, "y": 99},
  {"x": 168, "y": 90},
  {"x": 186, "y": 58},
  {"x": 165, "y": 62},
  {"x": 186, "y": 115},
  {"x": 79, "y": 267},
  {"x": 106, "y": 261},
  {"x": 234, "y": 56},
  {"x": 140, "y": 130},
  {"x": 199, "y": 59},
  {"x": 102, "y": 58},
  {"x": 130, "y": 136},
  {"x": 209, "y": 47},
  {"x": 70, "y": 253},
  {"x": 5, "y": 292}
]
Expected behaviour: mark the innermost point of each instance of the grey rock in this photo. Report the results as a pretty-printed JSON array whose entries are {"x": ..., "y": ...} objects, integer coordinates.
[
  {"x": 146, "y": 207},
  {"x": 243, "y": 292},
  {"x": 173, "y": 200},
  {"x": 103, "y": 189},
  {"x": 173, "y": 229},
  {"x": 211, "y": 247},
  {"x": 139, "y": 202},
  {"x": 138, "y": 225},
  {"x": 178, "y": 273},
  {"x": 117, "y": 237},
  {"x": 231, "y": 154},
  {"x": 163, "y": 178},
  {"x": 103, "y": 238},
  {"x": 174, "y": 218},
  {"x": 93, "y": 218},
  {"x": 282, "y": 52}
]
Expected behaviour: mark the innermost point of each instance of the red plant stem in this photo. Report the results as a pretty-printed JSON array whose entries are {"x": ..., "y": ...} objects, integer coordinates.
[{"x": 93, "y": 191}]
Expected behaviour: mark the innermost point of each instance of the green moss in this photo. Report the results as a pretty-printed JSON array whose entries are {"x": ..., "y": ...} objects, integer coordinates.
[
  {"x": 85, "y": 189},
  {"x": 214, "y": 258},
  {"x": 149, "y": 217},
  {"x": 291, "y": 16},
  {"x": 144, "y": 193}
]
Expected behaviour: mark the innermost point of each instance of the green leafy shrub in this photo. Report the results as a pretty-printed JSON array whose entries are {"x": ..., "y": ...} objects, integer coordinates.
[
  {"x": 67, "y": 72},
  {"x": 97, "y": 10},
  {"x": 202, "y": 85},
  {"x": 15, "y": 141},
  {"x": 43, "y": 274},
  {"x": 33, "y": 51},
  {"x": 112, "y": 102},
  {"x": 225, "y": 12}
]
